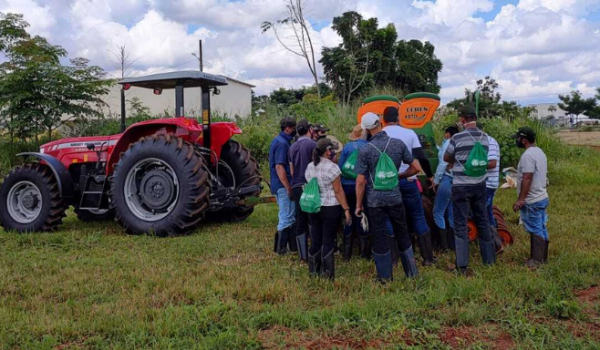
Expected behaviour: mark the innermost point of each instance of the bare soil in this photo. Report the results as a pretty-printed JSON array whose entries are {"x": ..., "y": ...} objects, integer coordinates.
[{"x": 591, "y": 138}]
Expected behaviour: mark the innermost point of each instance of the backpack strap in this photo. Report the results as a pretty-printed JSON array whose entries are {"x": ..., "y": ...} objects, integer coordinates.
[
  {"x": 374, "y": 147},
  {"x": 387, "y": 144}
]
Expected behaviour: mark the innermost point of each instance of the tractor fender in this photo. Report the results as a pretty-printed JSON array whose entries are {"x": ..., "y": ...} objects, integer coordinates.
[
  {"x": 136, "y": 132},
  {"x": 62, "y": 175},
  {"x": 221, "y": 133}
]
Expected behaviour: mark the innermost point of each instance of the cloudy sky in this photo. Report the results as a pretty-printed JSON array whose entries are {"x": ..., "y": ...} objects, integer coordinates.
[{"x": 535, "y": 49}]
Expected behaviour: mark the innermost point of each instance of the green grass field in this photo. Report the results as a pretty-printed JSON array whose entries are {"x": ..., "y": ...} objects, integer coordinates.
[{"x": 93, "y": 287}]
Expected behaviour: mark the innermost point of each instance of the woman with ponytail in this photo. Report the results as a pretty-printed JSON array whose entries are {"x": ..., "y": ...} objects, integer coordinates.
[{"x": 324, "y": 224}]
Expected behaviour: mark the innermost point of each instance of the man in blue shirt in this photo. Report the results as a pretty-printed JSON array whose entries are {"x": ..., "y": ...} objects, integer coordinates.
[
  {"x": 300, "y": 156},
  {"x": 443, "y": 195},
  {"x": 357, "y": 141},
  {"x": 279, "y": 166}
]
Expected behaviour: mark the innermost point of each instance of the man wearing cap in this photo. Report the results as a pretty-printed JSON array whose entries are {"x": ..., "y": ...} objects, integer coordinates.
[
  {"x": 533, "y": 199},
  {"x": 468, "y": 191},
  {"x": 357, "y": 141},
  {"x": 411, "y": 195},
  {"x": 384, "y": 204},
  {"x": 320, "y": 131},
  {"x": 300, "y": 156},
  {"x": 279, "y": 166}
]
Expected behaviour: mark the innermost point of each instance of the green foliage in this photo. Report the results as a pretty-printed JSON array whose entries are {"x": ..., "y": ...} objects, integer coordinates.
[
  {"x": 289, "y": 97},
  {"x": 574, "y": 104},
  {"x": 370, "y": 57}
]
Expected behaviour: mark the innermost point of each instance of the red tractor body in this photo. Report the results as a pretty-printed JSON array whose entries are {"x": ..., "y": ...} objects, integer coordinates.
[{"x": 160, "y": 176}]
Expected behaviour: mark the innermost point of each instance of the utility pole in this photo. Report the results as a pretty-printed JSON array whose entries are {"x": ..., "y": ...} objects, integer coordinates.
[{"x": 199, "y": 56}]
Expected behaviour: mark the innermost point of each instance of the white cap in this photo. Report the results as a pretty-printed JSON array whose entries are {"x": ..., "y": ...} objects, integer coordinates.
[{"x": 369, "y": 121}]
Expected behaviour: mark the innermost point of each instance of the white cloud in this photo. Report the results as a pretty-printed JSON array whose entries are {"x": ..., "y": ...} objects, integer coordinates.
[{"x": 535, "y": 48}]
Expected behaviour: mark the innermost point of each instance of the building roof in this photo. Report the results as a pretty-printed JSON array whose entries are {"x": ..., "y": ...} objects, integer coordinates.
[
  {"x": 189, "y": 78},
  {"x": 238, "y": 81}
]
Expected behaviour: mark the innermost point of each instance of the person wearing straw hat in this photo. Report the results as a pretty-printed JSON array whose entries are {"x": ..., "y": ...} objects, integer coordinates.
[{"x": 348, "y": 162}]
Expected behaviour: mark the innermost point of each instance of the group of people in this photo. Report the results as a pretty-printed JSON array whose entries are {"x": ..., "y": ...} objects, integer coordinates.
[{"x": 372, "y": 190}]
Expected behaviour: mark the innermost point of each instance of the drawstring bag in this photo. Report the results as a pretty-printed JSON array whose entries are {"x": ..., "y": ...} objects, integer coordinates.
[
  {"x": 348, "y": 168},
  {"x": 310, "y": 201},
  {"x": 386, "y": 172},
  {"x": 477, "y": 162}
]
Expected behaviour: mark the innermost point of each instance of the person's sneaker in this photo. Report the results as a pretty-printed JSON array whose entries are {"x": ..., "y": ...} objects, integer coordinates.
[{"x": 429, "y": 262}]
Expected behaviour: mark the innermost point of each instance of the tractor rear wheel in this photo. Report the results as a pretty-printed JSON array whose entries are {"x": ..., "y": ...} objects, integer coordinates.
[
  {"x": 30, "y": 200},
  {"x": 240, "y": 169},
  {"x": 160, "y": 186}
]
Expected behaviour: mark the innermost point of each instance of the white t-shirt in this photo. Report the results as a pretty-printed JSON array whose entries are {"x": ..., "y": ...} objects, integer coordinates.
[
  {"x": 534, "y": 161},
  {"x": 325, "y": 172},
  {"x": 493, "y": 175},
  {"x": 408, "y": 136}
]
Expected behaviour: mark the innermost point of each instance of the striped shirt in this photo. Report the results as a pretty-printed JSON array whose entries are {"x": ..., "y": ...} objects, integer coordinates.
[
  {"x": 493, "y": 175},
  {"x": 460, "y": 147}
]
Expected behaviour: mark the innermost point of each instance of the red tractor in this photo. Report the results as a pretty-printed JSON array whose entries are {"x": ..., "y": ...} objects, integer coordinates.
[{"x": 161, "y": 176}]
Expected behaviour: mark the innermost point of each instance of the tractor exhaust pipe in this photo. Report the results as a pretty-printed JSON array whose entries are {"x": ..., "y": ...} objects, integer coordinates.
[{"x": 123, "y": 126}]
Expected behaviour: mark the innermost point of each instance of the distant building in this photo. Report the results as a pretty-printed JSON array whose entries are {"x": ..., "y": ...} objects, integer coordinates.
[
  {"x": 556, "y": 115},
  {"x": 235, "y": 100}
]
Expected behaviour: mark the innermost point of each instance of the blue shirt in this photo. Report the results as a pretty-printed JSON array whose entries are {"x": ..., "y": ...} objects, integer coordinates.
[
  {"x": 278, "y": 154},
  {"x": 441, "y": 169},
  {"x": 346, "y": 152},
  {"x": 300, "y": 156},
  {"x": 368, "y": 157}
]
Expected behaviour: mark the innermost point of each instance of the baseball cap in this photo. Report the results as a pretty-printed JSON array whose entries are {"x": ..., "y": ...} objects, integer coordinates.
[
  {"x": 288, "y": 122},
  {"x": 466, "y": 110},
  {"x": 369, "y": 121},
  {"x": 525, "y": 132},
  {"x": 320, "y": 127},
  {"x": 324, "y": 144},
  {"x": 304, "y": 124}
]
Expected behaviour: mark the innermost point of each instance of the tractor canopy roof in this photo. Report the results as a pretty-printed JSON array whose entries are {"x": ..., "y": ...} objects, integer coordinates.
[{"x": 188, "y": 78}]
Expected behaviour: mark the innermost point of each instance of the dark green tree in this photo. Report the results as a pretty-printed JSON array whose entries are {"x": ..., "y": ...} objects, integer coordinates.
[
  {"x": 489, "y": 100},
  {"x": 36, "y": 91},
  {"x": 574, "y": 104},
  {"x": 417, "y": 67}
]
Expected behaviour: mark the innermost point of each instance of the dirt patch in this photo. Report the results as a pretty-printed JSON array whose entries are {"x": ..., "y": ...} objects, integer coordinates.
[
  {"x": 78, "y": 344},
  {"x": 591, "y": 138},
  {"x": 461, "y": 337},
  {"x": 279, "y": 337},
  {"x": 589, "y": 295}
]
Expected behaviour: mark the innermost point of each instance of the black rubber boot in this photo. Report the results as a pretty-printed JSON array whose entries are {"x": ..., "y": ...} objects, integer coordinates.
[
  {"x": 426, "y": 249},
  {"x": 498, "y": 243},
  {"x": 302, "y": 244},
  {"x": 281, "y": 241},
  {"x": 366, "y": 244},
  {"x": 409, "y": 263},
  {"x": 348, "y": 245},
  {"x": 546, "y": 251},
  {"x": 538, "y": 249},
  {"x": 383, "y": 266},
  {"x": 328, "y": 270},
  {"x": 315, "y": 265},
  {"x": 292, "y": 239},
  {"x": 444, "y": 240}
]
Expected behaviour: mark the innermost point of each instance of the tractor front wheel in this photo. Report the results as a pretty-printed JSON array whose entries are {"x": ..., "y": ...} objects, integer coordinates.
[
  {"x": 30, "y": 200},
  {"x": 160, "y": 186},
  {"x": 238, "y": 169}
]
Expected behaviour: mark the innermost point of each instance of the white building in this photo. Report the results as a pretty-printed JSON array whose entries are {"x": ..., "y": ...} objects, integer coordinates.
[
  {"x": 235, "y": 100},
  {"x": 545, "y": 111}
]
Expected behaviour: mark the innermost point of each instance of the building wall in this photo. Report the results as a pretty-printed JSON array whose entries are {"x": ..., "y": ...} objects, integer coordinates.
[{"x": 235, "y": 100}]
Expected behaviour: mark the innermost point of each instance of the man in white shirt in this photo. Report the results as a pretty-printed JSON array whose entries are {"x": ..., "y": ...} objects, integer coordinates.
[{"x": 411, "y": 196}]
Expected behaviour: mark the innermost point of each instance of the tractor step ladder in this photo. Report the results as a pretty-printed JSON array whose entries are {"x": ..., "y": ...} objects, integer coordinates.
[{"x": 93, "y": 196}]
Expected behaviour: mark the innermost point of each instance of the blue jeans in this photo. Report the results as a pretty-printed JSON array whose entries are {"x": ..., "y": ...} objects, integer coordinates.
[
  {"x": 491, "y": 193},
  {"x": 535, "y": 218},
  {"x": 472, "y": 199},
  {"x": 413, "y": 205},
  {"x": 443, "y": 203},
  {"x": 287, "y": 212},
  {"x": 350, "y": 191}
]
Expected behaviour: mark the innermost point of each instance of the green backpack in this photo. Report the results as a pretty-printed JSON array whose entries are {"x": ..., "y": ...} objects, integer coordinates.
[
  {"x": 386, "y": 172},
  {"x": 477, "y": 162},
  {"x": 348, "y": 168},
  {"x": 310, "y": 201}
]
